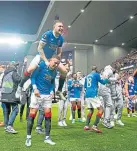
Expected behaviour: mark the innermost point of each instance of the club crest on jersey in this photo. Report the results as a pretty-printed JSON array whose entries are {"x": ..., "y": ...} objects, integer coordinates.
[
  {"x": 44, "y": 36},
  {"x": 53, "y": 46},
  {"x": 48, "y": 77}
]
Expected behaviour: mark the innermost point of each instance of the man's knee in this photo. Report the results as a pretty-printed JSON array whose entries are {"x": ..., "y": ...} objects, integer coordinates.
[
  {"x": 63, "y": 70},
  {"x": 33, "y": 113},
  {"x": 109, "y": 102},
  {"x": 100, "y": 110},
  {"x": 100, "y": 113},
  {"x": 91, "y": 111},
  {"x": 16, "y": 109},
  {"x": 120, "y": 105}
]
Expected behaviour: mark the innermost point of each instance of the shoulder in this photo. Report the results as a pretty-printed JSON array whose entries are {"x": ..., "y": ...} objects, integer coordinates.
[
  {"x": 90, "y": 75},
  {"x": 42, "y": 65},
  {"x": 97, "y": 74},
  {"x": 47, "y": 33}
]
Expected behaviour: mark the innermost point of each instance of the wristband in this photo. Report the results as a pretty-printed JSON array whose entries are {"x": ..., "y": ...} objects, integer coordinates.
[
  {"x": 51, "y": 92},
  {"x": 34, "y": 87}
]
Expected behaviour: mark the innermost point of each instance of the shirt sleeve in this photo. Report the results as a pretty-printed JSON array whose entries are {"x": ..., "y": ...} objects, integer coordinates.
[
  {"x": 102, "y": 81},
  {"x": 45, "y": 36}
]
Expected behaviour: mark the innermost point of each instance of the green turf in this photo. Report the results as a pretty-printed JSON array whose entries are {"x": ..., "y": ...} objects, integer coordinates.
[{"x": 73, "y": 137}]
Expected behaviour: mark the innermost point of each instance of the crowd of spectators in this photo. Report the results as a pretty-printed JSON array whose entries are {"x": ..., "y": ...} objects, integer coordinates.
[
  {"x": 126, "y": 65},
  {"x": 126, "y": 61}
]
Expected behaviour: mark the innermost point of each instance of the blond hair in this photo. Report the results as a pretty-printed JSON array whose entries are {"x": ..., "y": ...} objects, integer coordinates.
[{"x": 56, "y": 21}]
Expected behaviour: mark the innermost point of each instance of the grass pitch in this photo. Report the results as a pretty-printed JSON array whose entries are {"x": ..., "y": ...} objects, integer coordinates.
[{"x": 73, "y": 137}]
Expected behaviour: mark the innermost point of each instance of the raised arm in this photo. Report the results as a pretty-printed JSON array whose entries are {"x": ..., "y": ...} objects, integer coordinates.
[{"x": 41, "y": 45}]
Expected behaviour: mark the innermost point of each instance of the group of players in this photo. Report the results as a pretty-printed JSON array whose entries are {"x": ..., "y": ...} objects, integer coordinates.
[{"x": 42, "y": 71}]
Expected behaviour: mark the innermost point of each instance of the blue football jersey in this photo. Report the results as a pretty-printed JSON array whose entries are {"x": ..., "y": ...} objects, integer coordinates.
[
  {"x": 135, "y": 84},
  {"x": 91, "y": 84},
  {"x": 52, "y": 43},
  {"x": 131, "y": 88},
  {"x": 43, "y": 77},
  {"x": 74, "y": 88}
]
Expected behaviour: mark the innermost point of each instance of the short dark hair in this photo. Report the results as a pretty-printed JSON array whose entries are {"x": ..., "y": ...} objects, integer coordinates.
[
  {"x": 94, "y": 67},
  {"x": 56, "y": 57},
  {"x": 73, "y": 74},
  {"x": 57, "y": 21}
]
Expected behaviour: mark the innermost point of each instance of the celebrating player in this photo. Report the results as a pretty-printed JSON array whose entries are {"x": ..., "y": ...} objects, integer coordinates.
[{"x": 42, "y": 81}]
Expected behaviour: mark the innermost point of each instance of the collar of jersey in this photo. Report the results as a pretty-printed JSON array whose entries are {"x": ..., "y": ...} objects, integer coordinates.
[
  {"x": 50, "y": 69},
  {"x": 54, "y": 35}
]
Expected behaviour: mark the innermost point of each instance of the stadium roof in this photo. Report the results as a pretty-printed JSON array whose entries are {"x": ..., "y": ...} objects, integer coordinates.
[{"x": 91, "y": 21}]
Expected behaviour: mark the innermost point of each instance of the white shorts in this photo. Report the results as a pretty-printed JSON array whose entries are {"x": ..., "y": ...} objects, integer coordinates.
[
  {"x": 93, "y": 102},
  {"x": 74, "y": 99},
  {"x": 44, "y": 100},
  {"x": 35, "y": 61}
]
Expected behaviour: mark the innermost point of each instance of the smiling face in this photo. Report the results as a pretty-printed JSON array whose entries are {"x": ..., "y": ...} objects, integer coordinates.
[
  {"x": 79, "y": 75},
  {"x": 53, "y": 63},
  {"x": 58, "y": 28},
  {"x": 74, "y": 76}
]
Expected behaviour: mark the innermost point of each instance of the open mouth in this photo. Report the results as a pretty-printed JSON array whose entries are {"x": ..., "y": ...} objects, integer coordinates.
[{"x": 60, "y": 30}]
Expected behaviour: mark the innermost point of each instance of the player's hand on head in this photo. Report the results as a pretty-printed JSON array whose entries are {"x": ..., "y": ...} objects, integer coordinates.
[{"x": 36, "y": 92}]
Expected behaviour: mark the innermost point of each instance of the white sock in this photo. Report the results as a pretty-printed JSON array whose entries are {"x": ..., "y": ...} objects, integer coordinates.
[
  {"x": 47, "y": 137},
  {"x": 94, "y": 126},
  {"x": 28, "y": 136}
]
